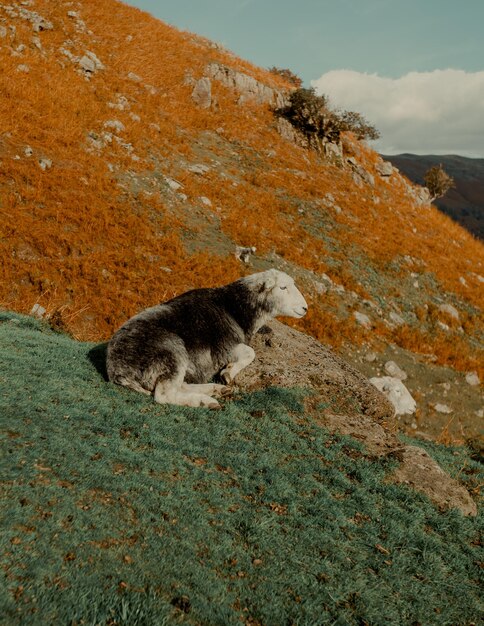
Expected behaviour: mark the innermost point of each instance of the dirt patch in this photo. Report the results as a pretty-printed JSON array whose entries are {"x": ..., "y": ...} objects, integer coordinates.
[{"x": 420, "y": 471}]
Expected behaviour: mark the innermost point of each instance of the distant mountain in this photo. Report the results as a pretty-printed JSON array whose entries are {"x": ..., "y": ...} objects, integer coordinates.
[{"x": 464, "y": 203}]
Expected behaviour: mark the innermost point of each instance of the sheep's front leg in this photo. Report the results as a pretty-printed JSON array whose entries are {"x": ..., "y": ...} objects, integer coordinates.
[{"x": 240, "y": 357}]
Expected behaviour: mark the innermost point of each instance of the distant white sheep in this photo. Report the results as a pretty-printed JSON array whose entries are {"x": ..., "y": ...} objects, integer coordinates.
[{"x": 174, "y": 349}]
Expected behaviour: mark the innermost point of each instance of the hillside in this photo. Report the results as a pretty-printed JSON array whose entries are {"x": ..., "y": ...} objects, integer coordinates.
[
  {"x": 135, "y": 158},
  {"x": 465, "y": 203},
  {"x": 119, "y": 511}
]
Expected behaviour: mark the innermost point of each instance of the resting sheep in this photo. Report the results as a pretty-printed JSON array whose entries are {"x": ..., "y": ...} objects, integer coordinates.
[{"x": 174, "y": 349}]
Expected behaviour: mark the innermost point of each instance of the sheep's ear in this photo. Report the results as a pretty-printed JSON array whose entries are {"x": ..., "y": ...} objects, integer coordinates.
[{"x": 268, "y": 283}]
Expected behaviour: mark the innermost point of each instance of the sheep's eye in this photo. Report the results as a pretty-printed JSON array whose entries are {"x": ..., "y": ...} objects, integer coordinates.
[{"x": 283, "y": 287}]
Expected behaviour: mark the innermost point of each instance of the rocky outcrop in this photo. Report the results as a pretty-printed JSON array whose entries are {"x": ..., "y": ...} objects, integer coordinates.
[
  {"x": 38, "y": 22},
  {"x": 202, "y": 93},
  {"x": 248, "y": 87},
  {"x": 288, "y": 358},
  {"x": 384, "y": 168},
  {"x": 288, "y": 132},
  {"x": 420, "y": 195},
  {"x": 360, "y": 174},
  {"x": 87, "y": 64}
]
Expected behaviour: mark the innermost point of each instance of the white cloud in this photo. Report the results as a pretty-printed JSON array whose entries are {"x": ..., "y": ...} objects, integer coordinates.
[{"x": 438, "y": 112}]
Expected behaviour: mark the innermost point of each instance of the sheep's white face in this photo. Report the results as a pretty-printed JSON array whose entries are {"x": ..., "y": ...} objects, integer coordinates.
[
  {"x": 283, "y": 294},
  {"x": 288, "y": 299}
]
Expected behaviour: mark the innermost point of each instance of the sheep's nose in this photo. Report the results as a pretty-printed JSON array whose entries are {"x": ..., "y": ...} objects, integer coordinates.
[{"x": 305, "y": 309}]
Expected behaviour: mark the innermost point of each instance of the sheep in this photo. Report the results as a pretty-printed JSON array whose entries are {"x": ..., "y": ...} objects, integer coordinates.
[{"x": 174, "y": 349}]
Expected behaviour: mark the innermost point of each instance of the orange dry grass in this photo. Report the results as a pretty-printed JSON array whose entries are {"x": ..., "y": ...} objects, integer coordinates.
[{"x": 95, "y": 242}]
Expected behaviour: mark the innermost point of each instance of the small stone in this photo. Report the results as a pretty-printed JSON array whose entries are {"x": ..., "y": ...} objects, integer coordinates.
[
  {"x": 443, "y": 326},
  {"x": 397, "y": 393},
  {"x": 90, "y": 63},
  {"x": 392, "y": 369},
  {"x": 45, "y": 164},
  {"x": 38, "y": 311},
  {"x": 320, "y": 288},
  {"x": 23, "y": 68},
  {"x": 116, "y": 125},
  {"x": 397, "y": 319},
  {"x": 473, "y": 379},
  {"x": 28, "y": 151},
  {"x": 134, "y": 77},
  {"x": 362, "y": 319},
  {"x": 442, "y": 408},
  {"x": 121, "y": 103},
  {"x": 206, "y": 201},
  {"x": 384, "y": 168},
  {"x": 370, "y": 357},
  {"x": 449, "y": 310},
  {"x": 198, "y": 168},
  {"x": 173, "y": 184}
]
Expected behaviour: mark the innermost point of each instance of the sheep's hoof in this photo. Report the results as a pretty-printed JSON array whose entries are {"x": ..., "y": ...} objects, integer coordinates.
[
  {"x": 225, "y": 376},
  {"x": 227, "y": 391},
  {"x": 220, "y": 391}
]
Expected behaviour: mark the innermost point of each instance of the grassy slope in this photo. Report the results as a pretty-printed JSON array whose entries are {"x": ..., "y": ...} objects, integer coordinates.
[
  {"x": 116, "y": 510},
  {"x": 54, "y": 249}
]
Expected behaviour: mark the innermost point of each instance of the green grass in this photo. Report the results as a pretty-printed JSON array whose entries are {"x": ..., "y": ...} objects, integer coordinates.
[{"x": 116, "y": 510}]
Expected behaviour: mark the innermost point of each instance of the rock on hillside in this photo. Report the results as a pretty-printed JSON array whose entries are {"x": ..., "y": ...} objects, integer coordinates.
[
  {"x": 345, "y": 402},
  {"x": 288, "y": 358}
]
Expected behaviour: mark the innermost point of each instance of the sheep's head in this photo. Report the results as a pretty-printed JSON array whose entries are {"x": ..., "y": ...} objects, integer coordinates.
[{"x": 281, "y": 295}]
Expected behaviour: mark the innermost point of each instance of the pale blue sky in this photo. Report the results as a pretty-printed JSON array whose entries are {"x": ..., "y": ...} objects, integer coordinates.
[
  {"x": 311, "y": 37},
  {"x": 414, "y": 68}
]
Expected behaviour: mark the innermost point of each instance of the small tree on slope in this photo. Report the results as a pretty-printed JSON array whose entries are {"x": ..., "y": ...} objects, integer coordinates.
[{"x": 438, "y": 182}]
